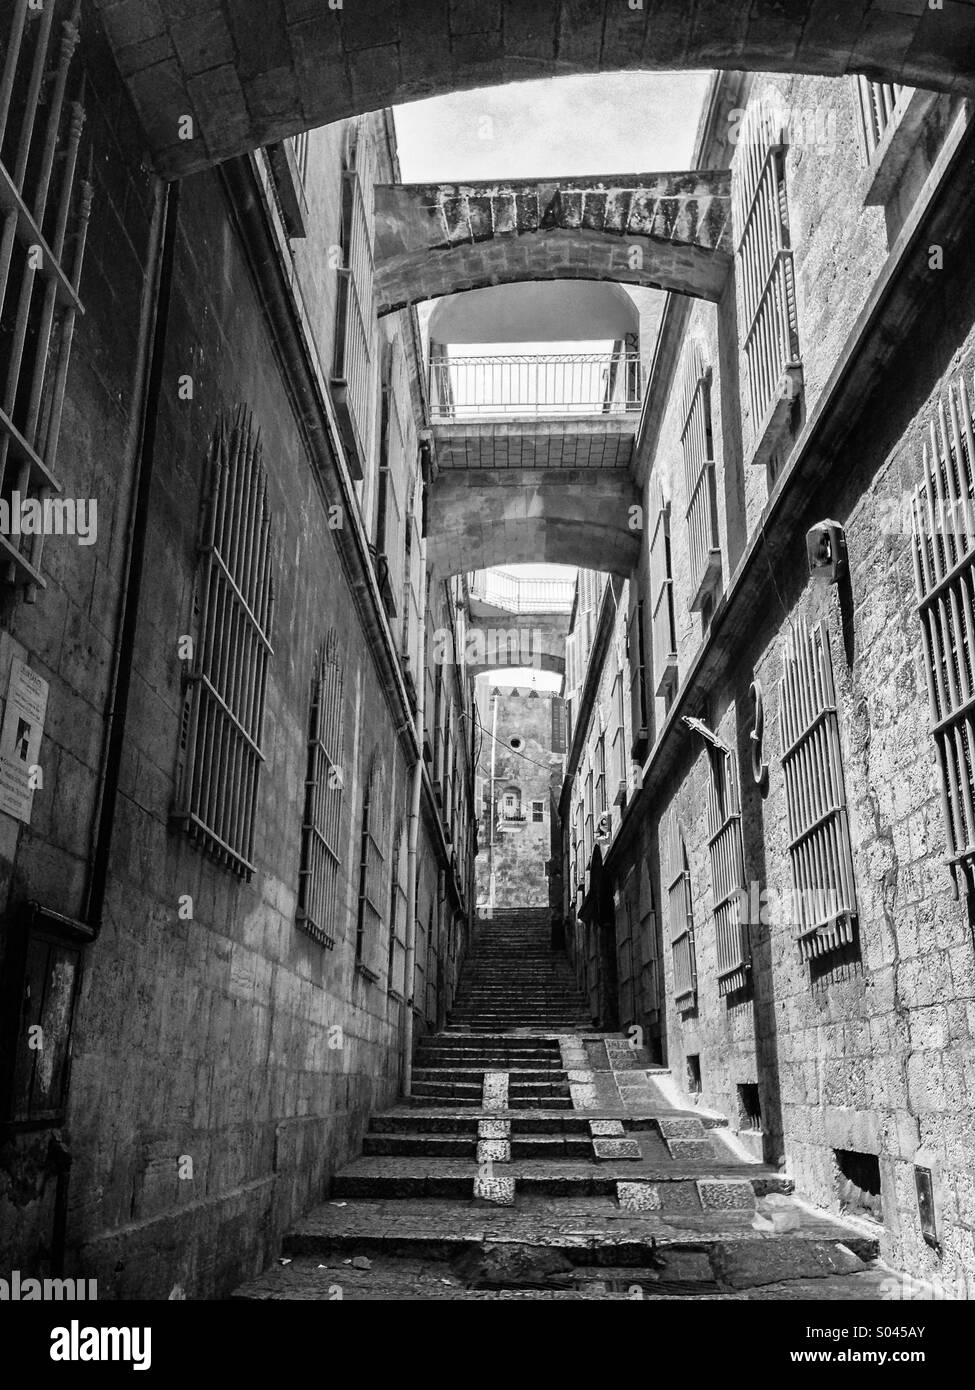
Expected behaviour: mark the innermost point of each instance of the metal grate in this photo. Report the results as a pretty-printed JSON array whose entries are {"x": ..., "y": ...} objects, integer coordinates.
[
  {"x": 819, "y": 837},
  {"x": 943, "y": 509},
  {"x": 318, "y": 886},
  {"x": 680, "y": 916},
  {"x": 228, "y": 683},
  {"x": 43, "y": 231},
  {"x": 372, "y": 862},
  {"x": 352, "y": 371},
  {"x": 662, "y": 602},
  {"x": 704, "y": 552},
  {"x": 299, "y": 145},
  {"x": 765, "y": 279},
  {"x": 878, "y": 102},
  {"x": 727, "y": 871}
]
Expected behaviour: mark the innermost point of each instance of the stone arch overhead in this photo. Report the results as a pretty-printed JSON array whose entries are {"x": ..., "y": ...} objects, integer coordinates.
[
  {"x": 258, "y": 70},
  {"x": 480, "y": 518},
  {"x": 667, "y": 231}
]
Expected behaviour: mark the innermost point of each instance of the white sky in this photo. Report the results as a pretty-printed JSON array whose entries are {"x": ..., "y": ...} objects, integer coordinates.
[{"x": 600, "y": 123}]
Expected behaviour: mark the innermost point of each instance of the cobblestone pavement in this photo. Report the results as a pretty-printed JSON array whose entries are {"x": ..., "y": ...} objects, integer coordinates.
[{"x": 555, "y": 1162}]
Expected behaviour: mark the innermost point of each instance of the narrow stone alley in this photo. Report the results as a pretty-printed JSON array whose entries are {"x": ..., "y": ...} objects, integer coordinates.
[{"x": 540, "y": 1159}]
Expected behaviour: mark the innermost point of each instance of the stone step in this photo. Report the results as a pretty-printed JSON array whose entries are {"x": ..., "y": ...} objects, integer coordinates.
[{"x": 591, "y": 1232}]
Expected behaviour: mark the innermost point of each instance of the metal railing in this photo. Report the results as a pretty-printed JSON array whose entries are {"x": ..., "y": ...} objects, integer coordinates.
[
  {"x": 878, "y": 104},
  {"x": 518, "y": 595},
  {"x": 539, "y": 385}
]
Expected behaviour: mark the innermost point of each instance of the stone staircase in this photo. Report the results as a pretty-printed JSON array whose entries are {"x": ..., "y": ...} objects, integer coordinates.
[
  {"x": 513, "y": 979},
  {"x": 538, "y": 1159}
]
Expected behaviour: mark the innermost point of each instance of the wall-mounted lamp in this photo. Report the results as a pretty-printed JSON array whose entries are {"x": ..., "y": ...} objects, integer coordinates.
[{"x": 826, "y": 551}]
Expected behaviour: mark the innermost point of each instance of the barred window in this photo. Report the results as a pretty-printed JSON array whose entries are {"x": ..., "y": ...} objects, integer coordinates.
[
  {"x": 765, "y": 275},
  {"x": 680, "y": 915},
  {"x": 558, "y": 725},
  {"x": 398, "y": 901},
  {"x": 878, "y": 103},
  {"x": 824, "y": 907},
  {"x": 224, "y": 712},
  {"x": 727, "y": 870},
  {"x": 697, "y": 446},
  {"x": 45, "y": 216},
  {"x": 639, "y": 703},
  {"x": 944, "y": 548},
  {"x": 318, "y": 879},
  {"x": 602, "y": 800},
  {"x": 664, "y": 638},
  {"x": 355, "y": 316},
  {"x": 372, "y": 869},
  {"x": 620, "y": 751}
]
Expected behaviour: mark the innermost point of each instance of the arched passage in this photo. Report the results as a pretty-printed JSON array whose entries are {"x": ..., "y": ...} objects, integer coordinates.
[
  {"x": 668, "y": 231},
  {"x": 258, "y": 70},
  {"x": 537, "y": 312}
]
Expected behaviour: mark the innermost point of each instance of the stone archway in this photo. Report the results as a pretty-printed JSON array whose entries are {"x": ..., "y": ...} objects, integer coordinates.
[{"x": 249, "y": 72}]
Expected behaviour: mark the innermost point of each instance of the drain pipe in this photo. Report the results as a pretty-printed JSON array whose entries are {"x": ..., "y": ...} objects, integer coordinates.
[{"x": 414, "y": 839}]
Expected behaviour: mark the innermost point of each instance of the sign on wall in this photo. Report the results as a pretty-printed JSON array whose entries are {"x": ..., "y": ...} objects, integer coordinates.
[{"x": 20, "y": 740}]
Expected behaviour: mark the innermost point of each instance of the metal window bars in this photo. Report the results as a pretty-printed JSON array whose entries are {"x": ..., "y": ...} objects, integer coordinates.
[
  {"x": 663, "y": 635},
  {"x": 680, "y": 915},
  {"x": 355, "y": 318},
  {"x": 824, "y": 892},
  {"x": 727, "y": 871},
  {"x": 704, "y": 551},
  {"x": 299, "y": 146},
  {"x": 44, "y": 220},
  {"x": 765, "y": 274},
  {"x": 878, "y": 103},
  {"x": 222, "y": 753},
  {"x": 372, "y": 862},
  {"x": 318, "y": 876},
  {"x": 943, "y": 526}
]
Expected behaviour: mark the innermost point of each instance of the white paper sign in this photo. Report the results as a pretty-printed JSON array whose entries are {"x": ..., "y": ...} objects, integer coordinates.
[{"x": 20, "y": 739}]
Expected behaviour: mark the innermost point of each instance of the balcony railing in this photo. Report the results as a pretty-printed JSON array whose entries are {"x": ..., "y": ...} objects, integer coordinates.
[
  {"x": 517, "y": 595},
  {"x": 465, "y": 388}
]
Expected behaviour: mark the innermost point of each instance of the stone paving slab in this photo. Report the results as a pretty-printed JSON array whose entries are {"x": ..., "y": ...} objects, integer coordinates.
[
  {"x": 595, "y": 1224},
  {"x": 313, "y": 1279}
]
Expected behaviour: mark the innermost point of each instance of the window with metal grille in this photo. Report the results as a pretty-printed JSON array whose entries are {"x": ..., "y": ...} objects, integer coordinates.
[
  {"x": 680, "y": 915},
  {"x": 765, "y": 275},
  {"x": 538, "y": 811},
  {"x": 878, "y": 103},
  {"x": 639, "y": 703},
  {"x": 221, "y": 745},
  {"x": 558, "y": 725},
  {"x": 943, "y": 525},
  {"x": 299, "y": 147},
  {"x": 620, "y": 751},
  {"x": 590, "y": 837},
  {"x": 44, "y": 219},
  {"x": 703, "y": 546},
  {"x": 824, "y": 893},
  {"x": 372, "y": 868},
  {"x": 398, "y": 902},
  {"x": 355, "y": 316},
  {"x": 318, "y": 879},
  {"x": 602, "y": 799},
  {"x": 727, "y": 871},
  {"x": 664, "y": 640}
]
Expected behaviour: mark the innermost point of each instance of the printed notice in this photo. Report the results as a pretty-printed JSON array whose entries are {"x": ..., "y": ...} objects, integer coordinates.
[{"x": 20, "y": 739}]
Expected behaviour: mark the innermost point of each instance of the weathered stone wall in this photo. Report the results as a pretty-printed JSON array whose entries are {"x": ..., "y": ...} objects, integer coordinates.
[
  {"x": 868, "y": 1051},
  {"x": 223, "y": 1065}
]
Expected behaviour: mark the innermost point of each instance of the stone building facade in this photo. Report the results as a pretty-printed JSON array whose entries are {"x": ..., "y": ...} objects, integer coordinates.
[
  {"x": 519, "y": 773},
  {"x": 793, "y": 846},
  {"x": 207, "y": 907}
]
